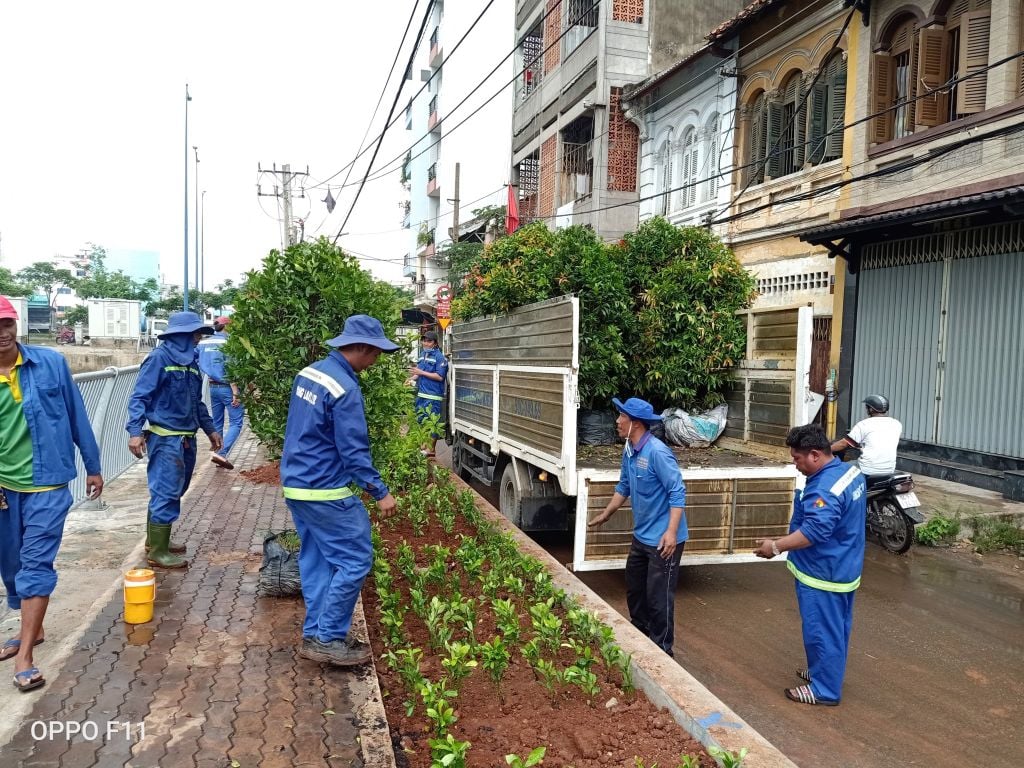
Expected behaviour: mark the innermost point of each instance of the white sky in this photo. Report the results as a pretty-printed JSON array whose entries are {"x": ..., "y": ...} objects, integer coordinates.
[{"x": 92, "y": 135}]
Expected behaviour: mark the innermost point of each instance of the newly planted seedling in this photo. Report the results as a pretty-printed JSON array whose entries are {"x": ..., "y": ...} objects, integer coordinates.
[{"x": 534, "y": 758}]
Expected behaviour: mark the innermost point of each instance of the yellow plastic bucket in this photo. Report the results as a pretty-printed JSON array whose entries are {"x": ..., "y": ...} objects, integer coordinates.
[{"x": 139, "y": 595}]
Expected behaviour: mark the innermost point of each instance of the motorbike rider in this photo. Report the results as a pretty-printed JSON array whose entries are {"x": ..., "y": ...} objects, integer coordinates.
[{"x": 876, "y": 437}]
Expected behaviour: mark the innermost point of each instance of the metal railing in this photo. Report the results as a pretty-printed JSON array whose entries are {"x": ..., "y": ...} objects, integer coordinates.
[{"x": 106, "y": 394}]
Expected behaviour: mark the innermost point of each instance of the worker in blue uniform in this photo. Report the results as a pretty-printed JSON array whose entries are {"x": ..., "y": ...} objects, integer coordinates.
[
  {"x": 224, "y": 395},
  {"x": 651, "y": 479},
  {"x": 326, "y": 450},
  {"x": 168, "y": 395},
  {"x": 430, "y": 373},
  {"x": 826, "y": 556},
  {"x": 42, "y": 419}
]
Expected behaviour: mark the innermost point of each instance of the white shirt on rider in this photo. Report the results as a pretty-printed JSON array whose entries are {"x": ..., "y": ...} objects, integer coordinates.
[{"x": 877, "y": 437}]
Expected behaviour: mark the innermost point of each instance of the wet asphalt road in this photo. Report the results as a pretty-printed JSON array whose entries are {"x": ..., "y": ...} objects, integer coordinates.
[{"x": 936, "y": 668}]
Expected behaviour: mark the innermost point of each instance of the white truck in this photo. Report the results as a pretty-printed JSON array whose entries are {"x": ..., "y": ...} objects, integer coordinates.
[{"x": 512, "y": 415}]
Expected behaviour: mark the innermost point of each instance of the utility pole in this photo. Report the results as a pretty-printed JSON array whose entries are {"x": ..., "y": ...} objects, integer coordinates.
[
  {"x": 284, "y": 195},
  {"x": 455, "y": 208}
]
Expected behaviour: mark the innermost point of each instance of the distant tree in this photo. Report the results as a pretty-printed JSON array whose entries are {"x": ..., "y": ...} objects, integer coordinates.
[
  {"x": 76, "y": 315},
  {"x": 11, "y": 285},
  {"x": 47, "y": 278}
]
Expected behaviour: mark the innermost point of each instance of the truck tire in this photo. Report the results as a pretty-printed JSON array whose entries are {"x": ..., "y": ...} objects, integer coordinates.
[
  {"x": 509, "y": 500},
  {"x": 458, "y": 462}
]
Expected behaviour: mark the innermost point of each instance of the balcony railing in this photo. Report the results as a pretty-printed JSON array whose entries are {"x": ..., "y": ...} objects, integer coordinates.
[
  {"x": 435, "y": 47},
  {"x": 579, "y": 21},
  {"x": 577, "y": 172},
  {"x": 432, "y": 111}
]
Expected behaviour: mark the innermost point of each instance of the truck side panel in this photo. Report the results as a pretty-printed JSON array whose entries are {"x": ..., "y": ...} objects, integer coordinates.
[{"x": 727, "y": 510}]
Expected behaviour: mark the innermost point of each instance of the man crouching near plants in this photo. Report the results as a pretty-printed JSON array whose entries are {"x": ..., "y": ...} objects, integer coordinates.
[{"x": 326, "y": 449}]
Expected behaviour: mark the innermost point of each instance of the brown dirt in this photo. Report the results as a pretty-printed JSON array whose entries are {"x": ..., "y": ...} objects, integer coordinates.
[
  {"x": 613, "y": 730},
  {"x": 610, "y": 457},
  {"x": 267, "y": 474}
]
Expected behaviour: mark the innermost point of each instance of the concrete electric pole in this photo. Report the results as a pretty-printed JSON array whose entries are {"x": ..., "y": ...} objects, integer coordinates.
[{"x": 289, "y": 235}]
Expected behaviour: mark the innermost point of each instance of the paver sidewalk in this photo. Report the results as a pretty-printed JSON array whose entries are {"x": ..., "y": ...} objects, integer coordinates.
[{"x": 213, "y": 680}]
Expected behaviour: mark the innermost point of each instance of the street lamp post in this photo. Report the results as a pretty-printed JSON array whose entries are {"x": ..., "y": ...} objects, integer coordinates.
[
  {"x": 184, "y": 286},
  {"x": 196, "y": 150},
  {"x": 202, "y": 244}
]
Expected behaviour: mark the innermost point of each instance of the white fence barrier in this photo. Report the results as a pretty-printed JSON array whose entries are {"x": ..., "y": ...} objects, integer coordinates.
[{"x": 106, "y": 396}]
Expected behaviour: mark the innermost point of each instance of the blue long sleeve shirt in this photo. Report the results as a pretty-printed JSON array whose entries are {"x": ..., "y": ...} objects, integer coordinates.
[
  {"x": 56, "y": 417},
  {"x": 326, "y": 442},
  {"x": 211, "y": 357},
  {"x": 651, "y": 479},
  {"x": 830, "y": 512},
  {"x": 432, "y": 361},
  {"x": 169, "y": 396}
]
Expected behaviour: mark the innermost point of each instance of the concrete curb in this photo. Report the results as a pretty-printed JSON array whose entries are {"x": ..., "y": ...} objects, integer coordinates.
[
  {"x": 700, "y": 713},
  {"x": 371, "y": 719}
]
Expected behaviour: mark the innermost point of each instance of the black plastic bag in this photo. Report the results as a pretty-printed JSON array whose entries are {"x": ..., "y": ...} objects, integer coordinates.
[
  {"x": 596, "y": 428},
  {"x": 279, "y": 574}
]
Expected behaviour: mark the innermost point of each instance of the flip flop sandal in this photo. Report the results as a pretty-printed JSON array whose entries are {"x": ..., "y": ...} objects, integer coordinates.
[
  {"x": 804, "y": 674},
  {"x": 804, "y": 695},
  {"x": 14, "y": 645},
  {"x": 29, "y": 680}
]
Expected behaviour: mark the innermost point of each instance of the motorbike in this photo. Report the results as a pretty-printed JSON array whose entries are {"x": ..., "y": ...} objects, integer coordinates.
[{"x": 893, "y": 511}]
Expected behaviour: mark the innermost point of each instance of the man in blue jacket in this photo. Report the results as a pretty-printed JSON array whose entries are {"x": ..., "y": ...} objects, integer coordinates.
[
  {"x": 168, "y": 395},
  {"x": 650, "y": 476},
  {"x": 42, "y": 419},
  {"x": 826, "y": 556},
  {"x": 429, "y": 373},
  {"x": 326, "y": 450},
  {"x": 223, "y": 393}
]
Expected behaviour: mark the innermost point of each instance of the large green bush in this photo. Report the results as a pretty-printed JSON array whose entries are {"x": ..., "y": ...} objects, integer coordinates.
[
  {"x": 688, "y": 287},
  {"x": 658, "y": 309},
  {"x": 297, "y": 301},
  {"x": 536, "y": 264}
]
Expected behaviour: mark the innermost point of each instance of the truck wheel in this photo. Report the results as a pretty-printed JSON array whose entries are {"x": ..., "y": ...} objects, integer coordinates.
[
  {"x": 458, "y": 462},
  {"x": 508, "y": 497}
]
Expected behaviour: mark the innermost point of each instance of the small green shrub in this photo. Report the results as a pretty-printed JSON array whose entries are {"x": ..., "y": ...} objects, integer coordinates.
[
  {"x": 996, "y": 535},
  {"x": 939, "y": 530}
]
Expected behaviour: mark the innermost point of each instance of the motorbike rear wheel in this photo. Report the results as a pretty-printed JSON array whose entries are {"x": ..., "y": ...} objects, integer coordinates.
[{"x": 897, "y": 531}]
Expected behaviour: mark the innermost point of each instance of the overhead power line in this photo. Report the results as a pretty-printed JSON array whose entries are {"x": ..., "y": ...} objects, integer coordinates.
[{"x": 394, "y": 103}]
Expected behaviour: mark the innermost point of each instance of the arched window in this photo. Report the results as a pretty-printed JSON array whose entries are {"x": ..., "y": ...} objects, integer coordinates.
[
  {"x": 918, "y": 64},
  {"x": 712, "y": 156},
  {"x": 756, "y": 134},
  {"x": 663, "y": 176},
  {"x": 787, "y": 130},
  {"x": 827, "y": 105},
  {"x": 689, "y": 156}
]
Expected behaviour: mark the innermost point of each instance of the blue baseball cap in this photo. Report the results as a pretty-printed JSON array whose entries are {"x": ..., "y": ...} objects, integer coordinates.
[
  {"x": 185, "y": 322},
  {"x": 363, "y": 329},
  {"x": 637, "y": 409}
]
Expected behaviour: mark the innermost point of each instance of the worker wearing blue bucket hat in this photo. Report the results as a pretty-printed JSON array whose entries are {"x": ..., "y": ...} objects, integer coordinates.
[
  {"x": 164, "y": 413},
  {"x": 651, "y": 479},
  {"x": 327, "y": 449}
]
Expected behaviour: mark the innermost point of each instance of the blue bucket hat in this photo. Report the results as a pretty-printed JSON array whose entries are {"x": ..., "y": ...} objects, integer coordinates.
[
  {"x": 637, "y": 409},
  {"x": 363, "y": 329},
  {"x": 184, "y": 322}
]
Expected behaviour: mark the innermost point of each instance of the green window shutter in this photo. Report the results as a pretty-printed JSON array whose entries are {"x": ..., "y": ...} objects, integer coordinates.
[{"x": 773, "y": 136}]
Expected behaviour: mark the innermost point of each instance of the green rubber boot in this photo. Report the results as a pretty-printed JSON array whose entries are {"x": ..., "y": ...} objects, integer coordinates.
[
  {"x": 159, "y": 554},
  {"x": 174, "y": 546}
]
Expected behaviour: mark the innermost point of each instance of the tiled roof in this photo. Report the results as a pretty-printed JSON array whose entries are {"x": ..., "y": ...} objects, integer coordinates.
[{"x": 748, "y": 13}]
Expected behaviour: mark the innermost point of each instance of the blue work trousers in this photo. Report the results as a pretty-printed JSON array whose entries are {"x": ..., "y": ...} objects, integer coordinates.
[
  {"x": 827, "y": 619},
  {"x": 172, "y": 459},
  {"x": 335, "y": 555},
  {"x": 651, "y": 592},
  {"x": 30, "y": 533},
  {"x": 220, "y": 402}
]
